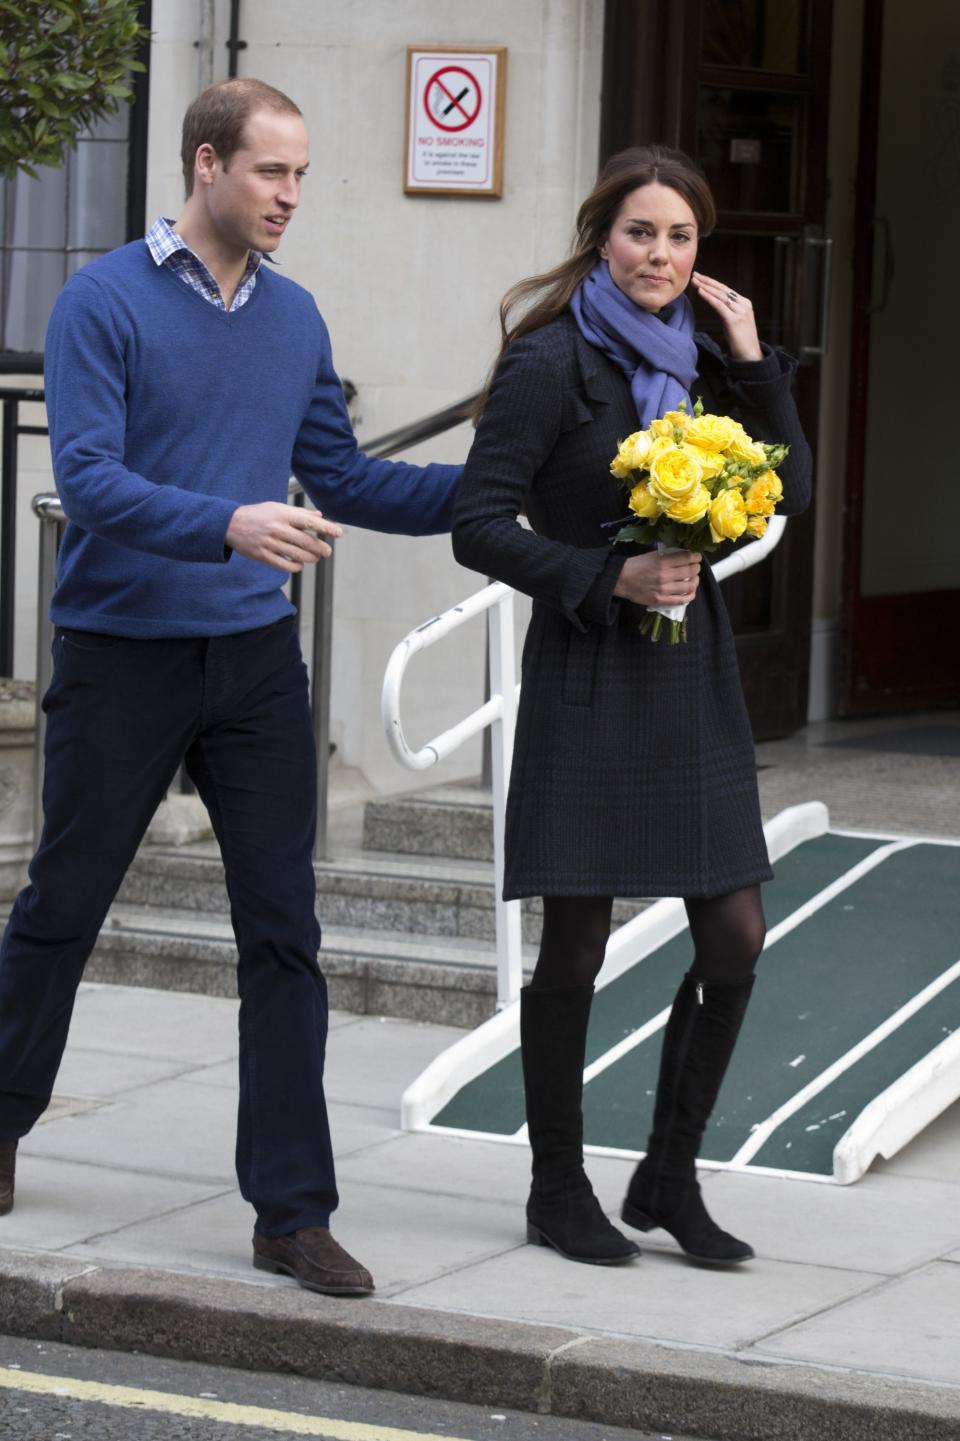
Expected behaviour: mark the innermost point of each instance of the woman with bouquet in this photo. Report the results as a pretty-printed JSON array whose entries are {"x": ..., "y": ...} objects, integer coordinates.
[{"x": 633, "y": 770}]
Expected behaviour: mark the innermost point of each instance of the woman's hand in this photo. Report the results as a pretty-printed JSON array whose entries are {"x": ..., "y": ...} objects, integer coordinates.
[
  {"x": 736, "y": 312},
  {"x": 660, "y": 579}
]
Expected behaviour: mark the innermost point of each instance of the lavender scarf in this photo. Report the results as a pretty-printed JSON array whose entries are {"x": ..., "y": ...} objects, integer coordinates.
[{"x": 656, "y": 352}]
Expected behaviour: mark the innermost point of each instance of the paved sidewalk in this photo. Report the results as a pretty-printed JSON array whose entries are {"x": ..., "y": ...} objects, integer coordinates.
[
  {"x": 127, "y": 1185},
  {"x": 129, "y": 1233}
]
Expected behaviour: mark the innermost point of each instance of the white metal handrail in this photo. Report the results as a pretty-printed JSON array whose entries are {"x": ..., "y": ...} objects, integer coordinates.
[
  {"x": 752, "y": 553},
  {"x": 499, "y": 712}
]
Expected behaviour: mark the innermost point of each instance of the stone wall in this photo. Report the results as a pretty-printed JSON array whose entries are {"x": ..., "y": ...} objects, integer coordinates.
[{"x": 17, "y": 715}]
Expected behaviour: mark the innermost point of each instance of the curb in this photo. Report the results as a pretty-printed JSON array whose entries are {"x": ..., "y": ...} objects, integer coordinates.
[{"x": 544, "y": 1369}]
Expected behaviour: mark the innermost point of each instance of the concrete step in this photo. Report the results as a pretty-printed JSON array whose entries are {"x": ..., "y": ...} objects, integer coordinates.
[
  {"x": 408, "y": 928},
  {"x": 444, "y": 820},
  {"x": 361, "y": 889},
  {"x": 384, "y": 972}
]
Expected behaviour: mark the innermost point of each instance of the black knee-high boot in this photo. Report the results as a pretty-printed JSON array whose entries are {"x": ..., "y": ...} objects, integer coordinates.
[
  {"x": 697, "y": 1045},
  {"x": 562, "y": 1211}
]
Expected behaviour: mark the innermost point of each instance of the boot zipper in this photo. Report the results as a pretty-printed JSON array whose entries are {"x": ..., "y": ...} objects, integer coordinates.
[{"x": 699, "y": 993}]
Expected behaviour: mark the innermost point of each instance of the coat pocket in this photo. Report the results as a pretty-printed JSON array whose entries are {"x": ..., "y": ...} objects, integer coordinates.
[{"x": 580, "y": 665}]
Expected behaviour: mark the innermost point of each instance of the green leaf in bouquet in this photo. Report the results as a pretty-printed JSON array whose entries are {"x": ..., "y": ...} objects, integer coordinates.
[
  {"x": 634, "y": 532},
  {"x": 672, "y": 533}
]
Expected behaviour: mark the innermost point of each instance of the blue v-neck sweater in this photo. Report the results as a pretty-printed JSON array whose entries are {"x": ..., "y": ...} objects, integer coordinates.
[{"x": 166, "y": 414}]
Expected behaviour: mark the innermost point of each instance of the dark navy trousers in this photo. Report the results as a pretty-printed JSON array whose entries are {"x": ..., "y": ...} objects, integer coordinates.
[{"x": 121, "y": 716}]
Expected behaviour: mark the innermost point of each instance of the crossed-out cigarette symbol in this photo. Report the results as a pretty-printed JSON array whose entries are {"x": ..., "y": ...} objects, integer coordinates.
[{"x": 445, "y": 95}]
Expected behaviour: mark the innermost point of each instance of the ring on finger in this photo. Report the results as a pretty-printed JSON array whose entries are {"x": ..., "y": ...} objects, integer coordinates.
[{"x": 732, "y": 295}]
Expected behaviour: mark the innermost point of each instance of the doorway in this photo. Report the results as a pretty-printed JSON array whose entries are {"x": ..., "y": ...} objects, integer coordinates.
[
  {"x": 742, "y": 85},
  {"x": 901, "y": 589}
]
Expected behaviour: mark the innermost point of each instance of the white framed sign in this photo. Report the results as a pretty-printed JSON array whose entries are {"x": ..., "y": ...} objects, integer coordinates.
[{"x": 454, "y": 133}]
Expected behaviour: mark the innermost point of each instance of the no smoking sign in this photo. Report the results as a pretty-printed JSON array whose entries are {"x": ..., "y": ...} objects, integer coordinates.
[
  {"x": 448, "y": 110},
  {"x": 454, "y": 121}
]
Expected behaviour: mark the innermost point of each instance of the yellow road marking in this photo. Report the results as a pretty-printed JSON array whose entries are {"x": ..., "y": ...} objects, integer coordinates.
[{"x": 290, "y": 1422}]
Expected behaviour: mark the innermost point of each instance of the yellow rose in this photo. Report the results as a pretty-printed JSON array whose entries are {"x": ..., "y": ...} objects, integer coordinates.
[
  {"x": 756, "y": 500},
  {"x": 658, "y": 446},
  {"x": 711, "y": 464},
  {"x": 636, "y": 448},
  {"x": 674, "y": 475},
  {"x": 670, "y": 421},
  {"x": 712, "y": 432},
  {"x": 642, "y": 503},
  {"x": 757, "y": 526},
  {"x": 744, "y": 447},
  {"x": 630, "y": 454},
  {"x": 763, "y": 494},
  {"x": 728, "y": 515},
  {"x": 694, "y": 508}
]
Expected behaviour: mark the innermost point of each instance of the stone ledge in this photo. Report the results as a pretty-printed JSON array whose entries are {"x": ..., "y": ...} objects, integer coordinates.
[
  {"x": 543, "y": 1369},
  {"x": 462, "y": 995},
  {"x": 18, "y": 705}
]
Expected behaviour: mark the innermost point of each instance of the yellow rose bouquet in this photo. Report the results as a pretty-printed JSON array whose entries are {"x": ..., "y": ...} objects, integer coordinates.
[{"x": 694, "y": 481}]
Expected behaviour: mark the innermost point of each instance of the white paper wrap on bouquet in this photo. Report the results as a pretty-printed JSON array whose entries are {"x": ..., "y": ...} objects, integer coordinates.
[{"x": 669, "y": 612}]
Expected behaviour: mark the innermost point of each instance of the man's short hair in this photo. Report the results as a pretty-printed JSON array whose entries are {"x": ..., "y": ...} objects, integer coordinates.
[{"x": 219, "y": 114}]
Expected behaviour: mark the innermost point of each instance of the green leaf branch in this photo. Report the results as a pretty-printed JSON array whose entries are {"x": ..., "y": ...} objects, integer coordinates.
[{"x": 64, "y": 65}]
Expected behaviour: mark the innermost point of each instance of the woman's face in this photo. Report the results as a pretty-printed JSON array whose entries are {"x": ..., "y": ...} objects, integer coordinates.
[{"x": 651, "y": 247}]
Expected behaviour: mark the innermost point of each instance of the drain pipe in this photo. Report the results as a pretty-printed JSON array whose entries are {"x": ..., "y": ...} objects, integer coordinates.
[{"x": 234, "y": 44}]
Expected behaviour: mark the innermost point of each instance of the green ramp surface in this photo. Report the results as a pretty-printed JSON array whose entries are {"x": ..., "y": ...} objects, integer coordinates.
[
  {"x": 493, "y": 1102},
  {"x": 820, "y": 990}
]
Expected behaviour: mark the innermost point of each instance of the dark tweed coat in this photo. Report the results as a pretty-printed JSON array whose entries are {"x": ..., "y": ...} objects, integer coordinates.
[{"x": 633, "y": 770}]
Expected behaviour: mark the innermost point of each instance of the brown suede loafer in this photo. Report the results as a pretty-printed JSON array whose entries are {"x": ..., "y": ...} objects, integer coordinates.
[
  {"x": 315, "y": 1259},
  {"x": 8, "y": 1162}
]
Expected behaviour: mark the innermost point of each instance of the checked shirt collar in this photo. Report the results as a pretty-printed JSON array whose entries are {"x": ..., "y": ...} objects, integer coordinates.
[{"x": 168, "y": 248}]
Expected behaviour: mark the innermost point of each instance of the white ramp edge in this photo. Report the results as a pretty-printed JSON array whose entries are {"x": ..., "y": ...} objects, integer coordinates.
[
  {"x": 494, "y": 1039},
  {"x": 901, "y": 1112}
]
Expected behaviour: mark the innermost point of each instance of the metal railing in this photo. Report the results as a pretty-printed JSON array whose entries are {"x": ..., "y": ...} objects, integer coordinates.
[
  {"x": 11, "y": 398},
  {"x": 50, "y": 512},
  {"x": 499, "y": 713}
]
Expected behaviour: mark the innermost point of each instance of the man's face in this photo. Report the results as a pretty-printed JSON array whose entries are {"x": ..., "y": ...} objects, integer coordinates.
[{"x": 251, "y": 200}]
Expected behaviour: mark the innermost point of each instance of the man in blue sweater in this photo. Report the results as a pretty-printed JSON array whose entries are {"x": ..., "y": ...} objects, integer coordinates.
[{"x": 185, "y": 381}]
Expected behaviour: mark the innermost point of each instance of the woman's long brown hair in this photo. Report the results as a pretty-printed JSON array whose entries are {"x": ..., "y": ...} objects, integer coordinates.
[{"x": 541, "y": 298}]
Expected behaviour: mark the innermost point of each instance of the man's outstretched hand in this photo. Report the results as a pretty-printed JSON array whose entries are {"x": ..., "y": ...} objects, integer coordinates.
[{"x": 284, "y": 536}]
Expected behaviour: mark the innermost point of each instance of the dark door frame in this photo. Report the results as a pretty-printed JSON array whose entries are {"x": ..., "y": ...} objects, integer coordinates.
[
  {"x": 651, "y": 72},
  {"x": 895, "y": 650}
]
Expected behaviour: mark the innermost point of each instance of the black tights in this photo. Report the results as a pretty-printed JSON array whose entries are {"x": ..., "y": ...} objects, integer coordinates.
[{"x": 728, "y": 934}]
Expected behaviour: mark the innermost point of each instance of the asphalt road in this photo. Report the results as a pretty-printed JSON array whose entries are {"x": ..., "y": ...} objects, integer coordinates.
[{"x": 62, "y": 1393}]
